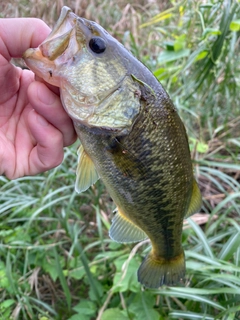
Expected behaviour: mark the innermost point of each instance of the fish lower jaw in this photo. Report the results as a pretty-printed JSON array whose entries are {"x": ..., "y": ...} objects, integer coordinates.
[{"x": 41, "y": 66}]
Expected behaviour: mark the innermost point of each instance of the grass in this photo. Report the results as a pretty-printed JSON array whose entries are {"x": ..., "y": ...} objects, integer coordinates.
[{"x": 57, "y": 261}]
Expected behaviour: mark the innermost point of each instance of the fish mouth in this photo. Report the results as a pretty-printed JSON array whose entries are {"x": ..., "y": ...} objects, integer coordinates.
[
  {"x": 61, "y": 59},
  {"x": 66, "y": 39}
]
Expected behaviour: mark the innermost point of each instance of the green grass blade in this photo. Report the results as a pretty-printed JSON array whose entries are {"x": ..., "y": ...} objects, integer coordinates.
[
  {"x": 196, "y": 295},
  {"x": 62, "y": 279},
  {"x": 230, "y": 247},
  {"x": 201, "y": 237},
  {"x": 189, "y": 315},
  {"x": 74, "y": 233},
  {"x": 223, "y": 203}
]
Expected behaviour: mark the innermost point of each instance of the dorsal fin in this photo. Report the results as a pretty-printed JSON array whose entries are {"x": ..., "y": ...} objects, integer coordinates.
[
  {"x": 86, "y": 172},
  {"x": 123, "y": 230},
  {"x": 196, "y": 200}
]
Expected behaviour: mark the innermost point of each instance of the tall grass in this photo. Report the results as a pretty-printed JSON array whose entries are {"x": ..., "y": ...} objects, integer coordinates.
[{"x": 57, "y": 261}]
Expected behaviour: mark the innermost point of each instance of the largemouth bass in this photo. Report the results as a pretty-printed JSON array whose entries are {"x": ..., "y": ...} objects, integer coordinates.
[{"x": 131, "y": 137}]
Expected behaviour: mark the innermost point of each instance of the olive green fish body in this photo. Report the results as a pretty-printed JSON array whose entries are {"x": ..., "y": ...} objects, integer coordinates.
[
  {"x": 131, "y": 137},
  {"x": 148, "y": 174}
]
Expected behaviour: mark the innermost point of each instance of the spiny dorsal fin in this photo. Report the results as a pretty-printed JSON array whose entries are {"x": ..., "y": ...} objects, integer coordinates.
[
  {"x": 86, "y": 172},
  {"x": 144, "y": 84},
  {"x": 196, "y": 200},
  {"x": 123, "y": 230}
]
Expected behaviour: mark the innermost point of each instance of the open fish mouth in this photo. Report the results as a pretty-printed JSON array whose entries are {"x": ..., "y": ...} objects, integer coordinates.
[
  {"x": 66, "y": 39},
  {"x": 60, "y": 37},
  {"x": 90, "y": 68}
]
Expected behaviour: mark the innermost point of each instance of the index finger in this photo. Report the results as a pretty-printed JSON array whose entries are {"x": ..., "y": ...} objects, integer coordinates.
[{"x": 19, "y": 34}]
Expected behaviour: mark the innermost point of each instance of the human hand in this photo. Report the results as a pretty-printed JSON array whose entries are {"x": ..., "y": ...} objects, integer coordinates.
[{"x": 34, "y": 127}]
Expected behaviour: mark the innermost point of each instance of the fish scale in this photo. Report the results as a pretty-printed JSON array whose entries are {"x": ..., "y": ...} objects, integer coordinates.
[{"x": 131, "y": 137}]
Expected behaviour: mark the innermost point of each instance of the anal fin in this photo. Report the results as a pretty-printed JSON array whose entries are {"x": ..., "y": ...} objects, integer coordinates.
[
  {"x": 86, "y": 172},
  {"x": 123, "y": 230},
  {"x": 196, "y": 200}
]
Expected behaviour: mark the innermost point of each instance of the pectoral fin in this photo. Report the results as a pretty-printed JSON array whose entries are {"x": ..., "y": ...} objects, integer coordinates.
[
  {"x": 196, "y": 200},
  {"x": 86, "y": 172},
  {"x": 123, "y": 230},
  {"x": 127, "y": 163}
]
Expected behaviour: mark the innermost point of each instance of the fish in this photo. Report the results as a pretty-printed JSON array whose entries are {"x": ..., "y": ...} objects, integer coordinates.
[{"x": 131, "y": 136}]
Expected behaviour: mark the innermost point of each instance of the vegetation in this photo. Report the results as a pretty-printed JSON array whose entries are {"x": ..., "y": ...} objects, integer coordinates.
[{"x": 56, "y": 259}]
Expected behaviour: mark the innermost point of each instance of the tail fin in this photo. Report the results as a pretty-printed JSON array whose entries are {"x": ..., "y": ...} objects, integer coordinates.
[{"x": 153, "y": 273}]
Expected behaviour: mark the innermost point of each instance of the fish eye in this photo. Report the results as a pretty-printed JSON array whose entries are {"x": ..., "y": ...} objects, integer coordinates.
[{"x": 97, "y": 45}]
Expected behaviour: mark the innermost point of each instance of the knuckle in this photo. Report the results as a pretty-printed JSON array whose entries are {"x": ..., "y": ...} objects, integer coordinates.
[{"x": 70, "y": 139}]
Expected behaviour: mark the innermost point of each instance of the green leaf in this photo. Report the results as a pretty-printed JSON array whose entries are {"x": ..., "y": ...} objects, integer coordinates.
[
  {"x": 5, "y": 309},
  {"x": 16, "y": 236},
  {"x": 169, "y": 45},
  {"x": 6, "y": 304},
  {"x": 180, "y": 43},
  {"x": 114, "y": 246},
  {"x": 235, "y": 25},
  {"x": 85, "y": 307},
  {"x": 97, "y": 286},
  {"x": 79, "y": 317},
  {"x": 167, "y": 56},
  {"x": 77, "y": 274},
  {"x": 159, "y": 72},
  {"x": 4, "y": 283},
  {"x": 211, "y": 31},
  {"x": 201, "y": 55},
  {"x": 142, "y": 306},
  {"x": 200, "y": 146},
  {"x": 49, "y": 266},
  {"x": 113, "y": 314},
  {"x": 126, "y": 279}
]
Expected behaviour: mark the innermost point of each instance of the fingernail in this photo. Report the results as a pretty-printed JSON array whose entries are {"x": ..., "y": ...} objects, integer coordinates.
[
  {"x": 45, "y": 95},
  {"x": 42, "y": 121}
]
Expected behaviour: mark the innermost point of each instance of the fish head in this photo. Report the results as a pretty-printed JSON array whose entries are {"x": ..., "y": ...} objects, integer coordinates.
[{"x": 92, "y": 70}]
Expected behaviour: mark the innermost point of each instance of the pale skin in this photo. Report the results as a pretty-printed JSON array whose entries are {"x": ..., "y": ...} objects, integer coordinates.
[{"x": 34, "y": 127}]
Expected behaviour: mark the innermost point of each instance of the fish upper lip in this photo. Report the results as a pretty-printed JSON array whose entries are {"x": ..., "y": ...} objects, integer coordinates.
[
  {"x": 68, "y": 24},
  {"x": 60, "y": 22},
  {"x": 67, "y": 21},
  {"x": 64, "y": 12}
]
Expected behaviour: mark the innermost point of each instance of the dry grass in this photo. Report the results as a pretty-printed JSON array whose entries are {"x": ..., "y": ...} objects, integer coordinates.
[
  {"x": 122, "y": 20},
  {"x": 124, "y": 15}
]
